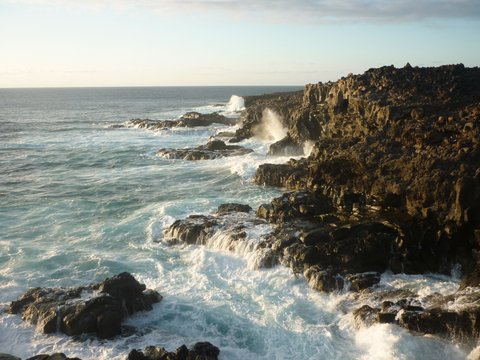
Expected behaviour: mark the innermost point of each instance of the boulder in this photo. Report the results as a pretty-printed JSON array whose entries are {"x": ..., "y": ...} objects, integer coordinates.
[
  {"x": 199, "y": 351},
  {"x": 233, "y": 207},
  {"x": 190, "y": 120},
  {"x": 212, "y": 150},
  {"x": 98, "y": 308}
]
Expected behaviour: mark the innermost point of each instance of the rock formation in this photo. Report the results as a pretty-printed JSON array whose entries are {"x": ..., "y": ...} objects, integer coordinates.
[
  {"x": 212, "y": 150},
  {"x": 98, "y": 308},
  {"x": 392, "y": 183},
  {"x": 190, "y": 119},
  {"x": 199, "y": 351}
]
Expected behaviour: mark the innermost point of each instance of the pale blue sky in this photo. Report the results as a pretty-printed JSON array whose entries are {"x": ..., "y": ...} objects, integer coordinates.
[{"x": 47, "y": 43}]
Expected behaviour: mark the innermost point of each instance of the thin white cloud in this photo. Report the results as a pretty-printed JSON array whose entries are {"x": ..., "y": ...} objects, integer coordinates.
[{"x": 320, "y": 11}]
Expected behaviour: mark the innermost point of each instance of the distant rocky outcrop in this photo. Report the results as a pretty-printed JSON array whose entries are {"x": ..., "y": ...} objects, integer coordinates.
[
  {"x": 98, "y": 309},
  {"x": 212, "y": 150},
  {"x": 199, "y": 351},
  {"x": 189, "y": 120}
]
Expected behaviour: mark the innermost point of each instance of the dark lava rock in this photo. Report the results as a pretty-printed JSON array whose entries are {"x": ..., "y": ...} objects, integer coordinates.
[
  {"x": 233, "y": 207},
  {"x": 227, "y": 230},
  {"x": 98, "y": 308},
  {"x": 199, "y": 351},
  {"x": 294, "y": 205},
  {"x": 190, "y": 119},
  {"x": 365, "y": 315},
  {"x": 363, "y": 281},
  {"x": 455, "y": 316},
  {"x": 56, "y": 356},
  {"x": 286, "y": 147},
  {"x": 8, "y": 357},
  {"x": 401, "y": 142},
  {"x": 212, "y": 150}
]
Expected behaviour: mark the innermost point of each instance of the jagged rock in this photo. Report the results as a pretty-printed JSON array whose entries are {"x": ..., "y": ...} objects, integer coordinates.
[
  {"x": 199, "y": 351},
  {"x": 363, "y": 281},
  {"x": 8, "y": 357},
  {"x": 226, "y": 230},
  {"x": 194, "y": 230},
  {"x": 323, "y": 279},
  {"x": 286, "y": 147},
  {"x": 56, "y": 356},
  {"x": 233, "y": 207},
  {"x": 190, "y": 119},
  {"x": 365, "y": 315},
  {"x": 212, "y": 150},
  {"x": 403, "y": 143},
  {"x": 97, "y": 308},
  {"x": 455, "y": 316},
  {"x": 294, "y": 205}
]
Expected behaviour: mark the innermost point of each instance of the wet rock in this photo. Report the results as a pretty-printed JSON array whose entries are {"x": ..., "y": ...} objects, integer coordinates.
[
  {"x": 460, "y": 325},
  {"x": 98, "y": 308},
  {"x": 227, "y": 230},
  {"x": 323, "y": 279},
  {"x": 454, "y": 316},
  {"x": 56, "y": 356},
  {"x": 363, "y": 281},
  {"x": 212, "y": 150},
  {"x": 8, "y": 357},
  {"x": 199, "y": 351},
  {"x": 190, "y": 119},
  {"x": 286, "y": 147},
  {"x": 194, "y": 230},
  {"x": 365, "y": 316},
  {"x": 294, "y": 205},
  {"x": 233, "y": 207},
  {"x": 403, "y": 143}
]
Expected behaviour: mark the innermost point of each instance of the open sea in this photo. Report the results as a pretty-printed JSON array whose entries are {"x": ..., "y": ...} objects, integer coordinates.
[{"x": 82, "y": 199}]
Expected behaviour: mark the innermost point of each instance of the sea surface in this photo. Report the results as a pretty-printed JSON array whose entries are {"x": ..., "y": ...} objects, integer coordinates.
[{"x": 82, "y": 199}]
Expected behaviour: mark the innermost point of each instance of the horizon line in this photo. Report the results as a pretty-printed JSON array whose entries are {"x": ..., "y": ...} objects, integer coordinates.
[{"x": 136, "y": 86}]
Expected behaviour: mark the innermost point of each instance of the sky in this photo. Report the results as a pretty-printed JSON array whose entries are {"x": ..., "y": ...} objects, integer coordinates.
[{"x": 70, "y": 43}]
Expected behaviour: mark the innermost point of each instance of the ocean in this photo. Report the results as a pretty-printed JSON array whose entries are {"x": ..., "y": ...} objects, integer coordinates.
[{"x": 82, "y": 199}]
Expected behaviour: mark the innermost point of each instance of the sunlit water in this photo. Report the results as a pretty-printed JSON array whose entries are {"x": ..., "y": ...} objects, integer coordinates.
[{"x": 81, "y": 200}]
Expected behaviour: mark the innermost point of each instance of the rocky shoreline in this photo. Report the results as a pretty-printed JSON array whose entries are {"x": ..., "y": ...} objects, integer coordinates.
[{"x": 392, "y": 183}]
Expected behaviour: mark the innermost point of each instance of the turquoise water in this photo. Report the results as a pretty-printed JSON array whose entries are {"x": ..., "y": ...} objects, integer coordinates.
[{"x": 82, "y": 199}]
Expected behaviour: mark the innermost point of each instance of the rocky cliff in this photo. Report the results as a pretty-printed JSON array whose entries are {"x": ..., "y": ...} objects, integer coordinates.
[
  {"x": 392, "y": 183},
  {"x": 400, "y": 143}
]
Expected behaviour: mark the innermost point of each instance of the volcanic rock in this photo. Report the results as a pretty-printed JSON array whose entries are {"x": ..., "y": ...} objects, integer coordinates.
[
  {"x": 98, "y": 308},
  {"x": 212, "y": 150},
  {"x": 190, "y": 119},
  {"x": 199, "y": 351}
]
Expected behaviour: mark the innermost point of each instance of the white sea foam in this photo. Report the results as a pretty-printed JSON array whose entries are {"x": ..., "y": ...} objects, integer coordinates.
[
  {"x": 235, "y": 104},
  {"x": 99, "y": 204},
  {"x": 308, "y": 147},
  {"x": 271, "y": 128}
]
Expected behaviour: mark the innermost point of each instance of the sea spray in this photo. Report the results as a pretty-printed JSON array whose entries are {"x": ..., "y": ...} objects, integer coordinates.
[
  {"x": 235, "y": 104},
  {"x": 308, "y": 147},
  {"x": 271, "y": 127},
  {"x": 83, "y": 202}
]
